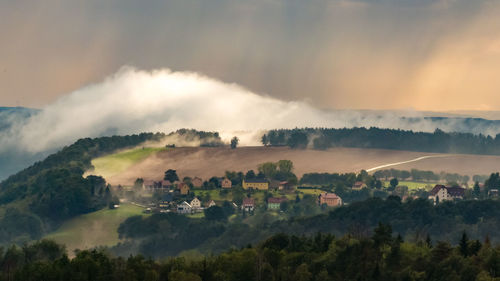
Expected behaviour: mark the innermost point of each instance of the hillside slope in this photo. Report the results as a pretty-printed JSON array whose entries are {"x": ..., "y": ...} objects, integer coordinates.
[{"x": 93, "y": 229}]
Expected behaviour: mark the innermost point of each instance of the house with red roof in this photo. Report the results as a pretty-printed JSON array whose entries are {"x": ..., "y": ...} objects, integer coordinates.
[
  {"x": 248, "y": 204},
  {"x": 330, "y": 199},
  {"x": 359, "y": 185}
]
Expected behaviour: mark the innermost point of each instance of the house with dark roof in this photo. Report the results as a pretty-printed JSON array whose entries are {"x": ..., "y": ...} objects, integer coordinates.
[
  {"x": 456, "y": 192},
  {"x": 442, "y": 193}
]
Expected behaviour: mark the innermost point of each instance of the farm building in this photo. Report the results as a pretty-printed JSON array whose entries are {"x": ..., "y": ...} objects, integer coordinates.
[
  {"x": 195, "y": 203},
  {"x": 226, "y": 183},
  {"x": 257, "y": 184},
  {"x": 330, "y": 199},
  {"x": 275, "y": 203},
  {"x": 248, "y": 204},
  {"x": 358, "y": 185},
  {"x": 442, "y": 193},
  {"x": 184, "y": 208}
]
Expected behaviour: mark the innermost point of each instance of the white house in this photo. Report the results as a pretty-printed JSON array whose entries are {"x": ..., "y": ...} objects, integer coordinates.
[
  {"x": 211, "y": 204},
  {"x": 442, "y": 193},
  {"x": 184, "y": 208},
  {"x": 195, "y": 203}
]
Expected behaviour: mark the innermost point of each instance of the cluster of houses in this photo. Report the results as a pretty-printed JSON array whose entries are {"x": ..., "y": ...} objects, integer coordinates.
[
  {"x": 179, "y": 187},
  {"x": 439, "y": 193},
  {"x": 273, "y": 203},
  {"x": 193, "y": 207},
  {"x": 184, "y": 189},
  {"x": 165, "y": 185}
]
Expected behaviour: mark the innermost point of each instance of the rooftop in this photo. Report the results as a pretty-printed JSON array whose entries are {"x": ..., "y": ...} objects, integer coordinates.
[
  {"x": 248, "y": 201},
  {"x": 329, "y": 195}
]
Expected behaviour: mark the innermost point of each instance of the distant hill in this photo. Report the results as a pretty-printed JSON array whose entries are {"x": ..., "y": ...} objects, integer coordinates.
[
  {"x": 12, "y": 161},
  {"x": 8, "y": 115}
]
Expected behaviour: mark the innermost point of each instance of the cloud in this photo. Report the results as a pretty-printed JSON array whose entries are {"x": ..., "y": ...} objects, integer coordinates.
[{"x": 133, "y": 101}]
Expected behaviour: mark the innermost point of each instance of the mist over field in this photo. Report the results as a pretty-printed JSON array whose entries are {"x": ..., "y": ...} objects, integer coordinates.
[{"x": 132, "y": 101}]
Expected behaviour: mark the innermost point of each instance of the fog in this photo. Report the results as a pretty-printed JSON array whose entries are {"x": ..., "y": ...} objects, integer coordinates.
[{"x": 133, "y": 101}]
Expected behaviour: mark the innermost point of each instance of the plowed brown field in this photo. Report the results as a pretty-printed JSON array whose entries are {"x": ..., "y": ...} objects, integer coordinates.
[{"x": 208, "y": 162}]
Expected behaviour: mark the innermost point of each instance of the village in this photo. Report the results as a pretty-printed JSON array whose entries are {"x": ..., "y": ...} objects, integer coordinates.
[{"x": 246, "y": 193}]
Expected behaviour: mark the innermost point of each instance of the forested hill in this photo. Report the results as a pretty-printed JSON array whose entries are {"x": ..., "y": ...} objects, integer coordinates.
[
  {"x": 320, "y": 257},
  {"x": 163, "y": 235},
  {"x": 438, "y": 141},
  {"x": 50, "y": 191}
]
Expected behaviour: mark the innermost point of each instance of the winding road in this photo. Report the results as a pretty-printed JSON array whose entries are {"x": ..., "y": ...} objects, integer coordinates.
[{"x": 405, "y": 162}]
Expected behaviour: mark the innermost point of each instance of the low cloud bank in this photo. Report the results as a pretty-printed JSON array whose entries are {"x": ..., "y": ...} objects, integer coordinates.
[{"x": 133, "y": 101}]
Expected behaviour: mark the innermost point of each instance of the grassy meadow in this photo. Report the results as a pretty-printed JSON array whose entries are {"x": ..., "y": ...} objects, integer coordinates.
[
  {"x": 116, "y": 163},
  {"x": 412, "y": 185},
  {"x": 93, "y": 229}
]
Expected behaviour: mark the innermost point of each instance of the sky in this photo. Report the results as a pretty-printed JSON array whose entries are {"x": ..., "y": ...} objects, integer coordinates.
[{"x": 437, "y": 55}]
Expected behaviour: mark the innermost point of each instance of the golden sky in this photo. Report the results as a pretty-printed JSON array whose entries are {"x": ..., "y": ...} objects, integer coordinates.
[{"x": 345, "y": 54}]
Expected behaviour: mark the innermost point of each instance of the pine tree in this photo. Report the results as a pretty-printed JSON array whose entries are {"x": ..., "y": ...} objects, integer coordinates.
[
  {"x": 463, "y": 245},
  {"x": 428, "y": 241}
]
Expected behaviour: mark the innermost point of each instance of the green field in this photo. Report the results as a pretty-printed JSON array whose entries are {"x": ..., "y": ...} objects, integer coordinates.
[
  {"x": 116, "y": 163},
  {"x": 94, "y": 229},
  {"x": 414, "y": 185},
  {"x": 196, "y": 215},
  {"x": 314, "y": 192}
]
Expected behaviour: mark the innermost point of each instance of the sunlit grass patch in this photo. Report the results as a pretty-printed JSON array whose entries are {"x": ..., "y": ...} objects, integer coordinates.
[
  {"x": 94, "y": 229},
  {"x": 116, "y": 163}
]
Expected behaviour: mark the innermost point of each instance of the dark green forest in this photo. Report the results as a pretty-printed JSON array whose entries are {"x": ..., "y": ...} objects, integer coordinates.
[
  {"x": 162, "y": 235},
  {"x": 383, "y": 255},
  {"x": 438, "y": 141}
]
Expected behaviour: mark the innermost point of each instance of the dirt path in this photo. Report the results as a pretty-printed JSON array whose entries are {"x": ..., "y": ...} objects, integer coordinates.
[{"x": 405, "y": 162}]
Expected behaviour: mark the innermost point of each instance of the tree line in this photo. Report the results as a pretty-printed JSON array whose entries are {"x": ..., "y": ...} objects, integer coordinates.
[
  {"x": 382, "y": 255},
  {"x": 438, "y": 141},
  {"x": 430, "y": 176}
]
